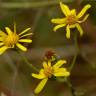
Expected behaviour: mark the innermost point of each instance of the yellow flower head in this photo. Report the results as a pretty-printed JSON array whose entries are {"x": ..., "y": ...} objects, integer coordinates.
[
  {"x": 12, "y": 39},
  {"x": 49, "y": 71},
  {"x": 71, "y": 20}
]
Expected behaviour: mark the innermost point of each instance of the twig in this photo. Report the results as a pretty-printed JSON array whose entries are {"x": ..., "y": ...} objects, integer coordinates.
[{"x": 27, "y": 62}]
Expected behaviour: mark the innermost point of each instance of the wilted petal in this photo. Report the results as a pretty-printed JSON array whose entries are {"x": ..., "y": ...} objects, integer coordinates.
[{"x": 84, "y": 19}]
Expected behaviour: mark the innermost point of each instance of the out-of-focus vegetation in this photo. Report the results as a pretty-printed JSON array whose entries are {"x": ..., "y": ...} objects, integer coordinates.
[{"x": 15, "y": 74}]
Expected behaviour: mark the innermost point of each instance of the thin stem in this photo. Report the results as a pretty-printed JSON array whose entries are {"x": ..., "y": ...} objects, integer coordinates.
[
  {"x": 27, "y": 62},
  {"x": 15, "y": 72},
  {"x": 31, "y": 4},
  {"x": 72, "y": 64},
  {"x": 76, "y": 54},
  {"x": 71, "y": 87}
]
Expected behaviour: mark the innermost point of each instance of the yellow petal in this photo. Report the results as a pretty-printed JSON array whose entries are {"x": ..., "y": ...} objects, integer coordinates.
[
  {"x": 42, "y": 72},
  {"x": 72, "y": 26},
  {"x": 25, "y": 40},
  {"x": 38, "y": 76},
  {"x": 79, "y": 29},
  {"x": 21, "y": 47},
  {"x": 84, "y": 19},
  {"x": 59, "y": 20},
  {"x": 1, "y": 43},
  {"x": 68, "y": 32},
  {"x": 60, "y": 70},
  {"x": 26, "y": 35},
  {"x": 1, "y": 39},
  {"x": 41, "y": 86},
  {"x": 59, "y": 63},
  {"x": 65, "y": 9},
  {"x": 49, "y": 63},
  {"x": 26, "y": 30},
  {"x": 3, "y": 49},
  {"x": 65, "y": 74},
  {"x": 14, "y": 27},
  {"x": 58, "y": 26},
  {"x": 8, "y": 30},
  {"x": 2, "y": 33},
  {"x": 73, "y": 12},
  {"x": 45, "y": 65},
  {"x": 86, "y": 7}
]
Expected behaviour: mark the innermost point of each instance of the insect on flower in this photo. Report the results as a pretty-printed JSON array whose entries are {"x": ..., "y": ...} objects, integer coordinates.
[
  {"x": 11, "y": 39},
  {"x": 71, "y": 19},
  {"x": 48, "y": 72}
]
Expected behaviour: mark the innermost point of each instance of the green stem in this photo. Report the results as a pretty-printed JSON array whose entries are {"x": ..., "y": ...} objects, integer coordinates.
[
  {"x": 27, "y": 62},
  {"x": 72, "y": 64},
  {"x": 76, "y": 54},
  {"x": 31, "y": 4}
]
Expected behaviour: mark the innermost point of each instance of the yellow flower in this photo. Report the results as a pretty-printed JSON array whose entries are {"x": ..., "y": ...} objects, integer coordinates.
[
  {"x": 71, "y": 20},
  {"x": 12, "y": 39},
  {"x": 48, "y": 72}
]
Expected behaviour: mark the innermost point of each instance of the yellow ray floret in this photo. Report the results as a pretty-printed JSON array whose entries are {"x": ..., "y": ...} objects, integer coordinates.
[
  {"x": 71, "y": 19},
  {"x": 10, "y": 39},
  {"x": 49, "y": 71}
]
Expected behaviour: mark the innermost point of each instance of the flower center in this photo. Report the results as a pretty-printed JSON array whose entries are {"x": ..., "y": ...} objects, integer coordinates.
[
  {"x": 48, "y": 72},
  {"x": 11, "y": 40},
  {"x": 71, "y": 19}
]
